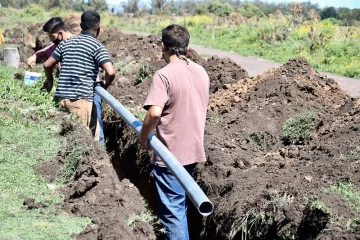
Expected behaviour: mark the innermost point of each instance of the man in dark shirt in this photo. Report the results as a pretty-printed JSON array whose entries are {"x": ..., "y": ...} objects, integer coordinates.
[{"x": 80, "y": 57}]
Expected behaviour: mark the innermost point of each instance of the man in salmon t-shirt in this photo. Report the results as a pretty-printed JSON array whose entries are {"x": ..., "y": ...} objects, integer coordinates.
[
  {"x": 57, "y": 32},
  {"x": 177, "y": 105}
]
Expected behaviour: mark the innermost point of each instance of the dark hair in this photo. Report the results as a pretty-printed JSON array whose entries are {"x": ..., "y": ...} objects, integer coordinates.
[
  {"x": 55, "y": 24},
  {"x": 90, "y": 20},
  {"x": 176, "y": 39}
]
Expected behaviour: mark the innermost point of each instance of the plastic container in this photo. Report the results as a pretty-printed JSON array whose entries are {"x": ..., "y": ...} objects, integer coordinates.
[
  {"x": 11, "y": 57},
  {"x": 31, "y": 77}
]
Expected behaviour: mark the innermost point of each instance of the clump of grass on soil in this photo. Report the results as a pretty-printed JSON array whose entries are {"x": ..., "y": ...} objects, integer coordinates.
[
  {"x": 350, "y": 194},
  {"x": 73, "y": 155},
  {"x": 300, "y": 127}
]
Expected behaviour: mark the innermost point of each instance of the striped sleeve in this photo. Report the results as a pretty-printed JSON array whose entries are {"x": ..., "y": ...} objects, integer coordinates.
[
  {"x": 58, "y": 53},
  {"x": 101, "y": 56}
]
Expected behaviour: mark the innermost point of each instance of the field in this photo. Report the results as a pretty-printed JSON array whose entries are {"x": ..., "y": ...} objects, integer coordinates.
[
  {"x": 283, "y": 153},
  {"x": 327, "y": 46}
]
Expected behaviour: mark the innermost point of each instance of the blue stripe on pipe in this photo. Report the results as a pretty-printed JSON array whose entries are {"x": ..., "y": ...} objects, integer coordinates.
[{"x": 194, "y": 192}]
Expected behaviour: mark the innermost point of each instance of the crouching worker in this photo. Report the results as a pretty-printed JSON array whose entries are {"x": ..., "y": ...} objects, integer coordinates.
[
  {"x": 57, "y": 32},
  {"x": 177, "y": 105},
  {"x": 80, "y": 57}
]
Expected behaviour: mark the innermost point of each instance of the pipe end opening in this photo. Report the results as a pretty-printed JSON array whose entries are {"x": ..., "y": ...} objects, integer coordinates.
[{"x": 206, "y": 208}]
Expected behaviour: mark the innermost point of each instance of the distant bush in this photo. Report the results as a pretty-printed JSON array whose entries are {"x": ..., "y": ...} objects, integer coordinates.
[
  {"x": 34, "y": 11},
  {"x": 201, "y": 9},
  {"x": 250, "y": 10},
  {"x": 220, "y": 9},
  {"x": 195, "y": 21},
  {"x": 299, "y": 127}
]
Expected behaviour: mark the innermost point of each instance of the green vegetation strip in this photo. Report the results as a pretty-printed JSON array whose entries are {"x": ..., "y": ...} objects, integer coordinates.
[
  {"x": 350, "y": 194},
  {"x": 327, "y": 46},
  {"x": 24, "y": 145}
]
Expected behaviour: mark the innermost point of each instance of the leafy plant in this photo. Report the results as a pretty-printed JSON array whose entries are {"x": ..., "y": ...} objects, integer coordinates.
[
  {"x": 143, "y": 74},
  {"x": 299, "y": 127},
  {"x": 72, "y": 157}
]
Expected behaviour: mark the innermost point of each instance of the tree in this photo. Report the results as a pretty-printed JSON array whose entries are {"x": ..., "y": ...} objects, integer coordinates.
[
  {"x": 201, "y": 9},
  {"x": 329, "y": 12},
  {"x": 220, "y": 9},
  {"x": 133, "y": 6},
  {"x": 157, "y": 6},
  {"x": 250, "y": 10},
  {"x": 99, "y": 5}
]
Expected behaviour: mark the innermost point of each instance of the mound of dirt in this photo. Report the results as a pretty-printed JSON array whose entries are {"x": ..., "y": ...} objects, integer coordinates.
[
  {"x": 263, "y": 188},
  {"x": 97, "y": 192},
  {"x": 73, "y": 21}
]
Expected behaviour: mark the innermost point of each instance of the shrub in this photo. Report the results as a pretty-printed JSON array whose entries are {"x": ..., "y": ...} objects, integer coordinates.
[
  {"x": 250, "y": 10},
  {"x": 220, "y": 9},
  {"x": 33, "y": 11},
  {"x": 143, "y": 74},
  {"x": 201, "y": 9},
  {"x": 299, "y": 127}
]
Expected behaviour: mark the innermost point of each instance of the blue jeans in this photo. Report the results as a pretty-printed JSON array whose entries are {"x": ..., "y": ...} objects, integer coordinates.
[
  {"x": 171, "y": 203},
  {"x": 97, "y": 102}
]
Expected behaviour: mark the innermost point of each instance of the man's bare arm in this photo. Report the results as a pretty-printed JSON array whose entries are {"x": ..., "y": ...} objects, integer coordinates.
[
  {"x": 48, "y": 68},
  {"x": 109, "y": 74},
  {"x": 38, "y": 56},
  {"x": 151, "y": 120}
]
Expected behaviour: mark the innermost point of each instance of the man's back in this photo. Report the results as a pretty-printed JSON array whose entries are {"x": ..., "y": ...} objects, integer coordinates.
[
  {"x": 80, "y": 57},
  {"x": 182, "y": 89}
]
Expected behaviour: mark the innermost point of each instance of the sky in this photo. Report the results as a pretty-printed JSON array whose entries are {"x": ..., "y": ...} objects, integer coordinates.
[{"x": 322, "y": 3}]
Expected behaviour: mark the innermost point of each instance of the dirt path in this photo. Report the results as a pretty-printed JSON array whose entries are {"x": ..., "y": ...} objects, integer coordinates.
[{"x": 256, "y": 66}]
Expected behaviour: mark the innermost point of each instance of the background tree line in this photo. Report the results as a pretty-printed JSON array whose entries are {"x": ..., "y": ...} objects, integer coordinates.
[
  {"x": 221, "y": 8},
  {"x": 76, "y": 5}
]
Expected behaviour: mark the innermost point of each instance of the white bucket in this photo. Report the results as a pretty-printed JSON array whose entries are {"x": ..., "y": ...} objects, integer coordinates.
[
  {"x": 11, "y": 57},
  {"x": 31, "y": 77}
]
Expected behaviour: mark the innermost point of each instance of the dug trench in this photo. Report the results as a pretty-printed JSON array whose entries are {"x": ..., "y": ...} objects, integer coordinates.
[{"x": 267, "y": 178}]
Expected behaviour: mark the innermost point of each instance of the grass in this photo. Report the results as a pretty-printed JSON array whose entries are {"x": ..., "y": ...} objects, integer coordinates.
[
  {"x": 132, "y": 220},
  {"x": 299, "y": 127},
  {"x": 73, "y": 155},
  {"x": 349, "y": 192},
  {"x": 24, "y": 145},
  {"x": 326, "y": 46},
  {"x": 256, "y": 223},
  {"x": 143, "y": 74},
  {"x": 317, "y": 204}
]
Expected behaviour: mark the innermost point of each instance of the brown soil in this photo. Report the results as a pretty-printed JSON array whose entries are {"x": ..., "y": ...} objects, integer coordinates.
[
  {"x": 96, "y": 191},
  {"x": 275, "y": 181}
]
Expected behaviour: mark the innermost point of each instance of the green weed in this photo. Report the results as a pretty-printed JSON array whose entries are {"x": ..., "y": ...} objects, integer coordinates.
[
  {"x": 213, "y": 119},
  {"x": 72, "y": 157},
  {"x": 15, "y": 90},
  {"x": 299, "y": 127},
  {"x": 140, "y": 114},
  {"x": 146, "y": 216},
  {"x": 349, "y": 192},
  {"x": 143, "y": 74},
  {"x": 317, "y": 204},
  {"x": 261, "y": 139}
]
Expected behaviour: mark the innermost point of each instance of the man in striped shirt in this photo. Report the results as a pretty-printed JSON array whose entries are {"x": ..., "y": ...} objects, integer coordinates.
[{"x": 80, "y": 57}]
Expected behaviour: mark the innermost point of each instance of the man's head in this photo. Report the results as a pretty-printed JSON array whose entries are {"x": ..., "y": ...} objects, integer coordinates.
[
  {"x": 90, "y": 22},
  {"x": 175, "y": 40},
  {"x": 55, "y": 28}
]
